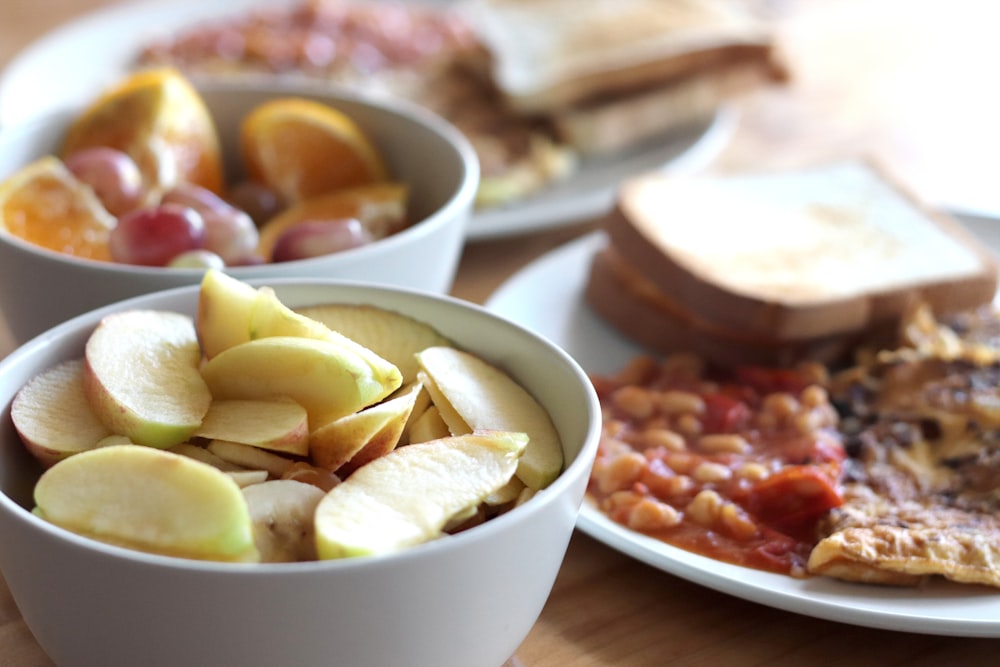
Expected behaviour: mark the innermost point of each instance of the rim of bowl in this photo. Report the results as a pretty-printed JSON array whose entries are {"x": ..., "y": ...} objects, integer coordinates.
[
  {"x": 579, "y": 466},
  {"x": 463, "y": 196}
]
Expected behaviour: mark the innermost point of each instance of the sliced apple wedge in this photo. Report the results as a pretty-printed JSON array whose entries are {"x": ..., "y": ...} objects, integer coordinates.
[
  {"x": 356, "y": 439},
  {"x": 279, "y": 424},
  {"x": 428, "y": 426},
  {"x": 307, "y": 473},
  {"x": 325, "y": 378},
  {"x": 53, "y": 417},
  {"x": 407, "y": 496},
  {"x": 282, "y": 513},
  {"x": 485, "y": 397},
  {"x": 223, "y": 319},
  {"x": 141, "y": 376},
  {"x": 151, "y": 500},
  {"x": 249, "y": 457},
  {"x": 393, "y": 336},
  {"x": 270, "y": 317}
]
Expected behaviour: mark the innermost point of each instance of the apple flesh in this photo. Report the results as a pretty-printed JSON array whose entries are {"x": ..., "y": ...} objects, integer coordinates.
[
  {"x": 151, "y": 500},
  {"x": 393, "y": 336},
  {"x": 270, "y": 317},
  {"x": 407, "y": 496},
  {"x": 142, "y": 377},
  {"x": 367, "y": 434},
  {"x": 327, "y": 379},
  {"x": 53, "y": 417},
  {"x": 280, "y": 424},
  {"x": 224, "y": 305},
  {"x": 485, "y": 397}
]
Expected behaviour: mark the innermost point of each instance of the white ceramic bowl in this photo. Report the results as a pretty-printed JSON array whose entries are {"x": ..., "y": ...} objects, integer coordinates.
[
  {"x": 466, "y": 600},
  {"x": 41, "y": 288}
]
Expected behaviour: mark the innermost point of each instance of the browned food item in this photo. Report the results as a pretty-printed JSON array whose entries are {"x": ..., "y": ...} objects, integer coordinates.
[
  {"x": 773, "y": 268},
  {"x": 613, "y": 73},
  {"x": 921, "y": 488}
]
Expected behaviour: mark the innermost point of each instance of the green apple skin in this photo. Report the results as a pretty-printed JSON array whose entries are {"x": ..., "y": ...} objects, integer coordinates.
[{"x": 151, "y": 500}]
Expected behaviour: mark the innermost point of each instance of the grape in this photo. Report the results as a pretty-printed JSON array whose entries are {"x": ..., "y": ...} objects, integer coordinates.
[
  {"x": 260, "y": 202},
  {"x": 313, "y": 238},
  {"x": 197, "y": 259},
  {"x": 229, "y": 232},
  {"x": 153, "y": 236},
  {"x": 112, "y": 174}
]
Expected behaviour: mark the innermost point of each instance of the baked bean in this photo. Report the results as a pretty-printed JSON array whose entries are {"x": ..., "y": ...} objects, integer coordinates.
[
  {"x": 665, "y": 438},
  {"x": 707, "y": 472},
  {"x": 781, "y": 404},
  {"x": 619, "y": 472},
  {"x": 681, "y": 462},
  {"x": 649, "y": 515},
  {"x": 676, "y": 402},
  {"x": 634, "y": 401},
  {"x": 723, "y": 443},
  {"x": 752, "y": 471},
  {"x": 705, "y": 507},
  {"x": 636, "y": 370},
  {"x": 737, "y": 522},
  {"x": 689, "y": 425}
]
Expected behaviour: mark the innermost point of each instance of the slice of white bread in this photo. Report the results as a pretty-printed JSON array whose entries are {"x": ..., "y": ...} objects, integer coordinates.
[{"x": 795, "y": 256}]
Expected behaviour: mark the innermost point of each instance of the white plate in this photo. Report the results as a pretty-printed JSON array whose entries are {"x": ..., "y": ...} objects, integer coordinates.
[
  {"x": 69, "y": 64},
  {"x": 547, "y": 296}
]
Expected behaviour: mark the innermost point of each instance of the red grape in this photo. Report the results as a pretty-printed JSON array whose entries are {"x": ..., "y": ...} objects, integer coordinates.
[
  {"x": 229, "y": 232},
  {"x": 313, "y": 238},
  {"x": 112, "y": 174},
  {"x": 153, "y": 236},
  {"x": 260, "y": 202}
]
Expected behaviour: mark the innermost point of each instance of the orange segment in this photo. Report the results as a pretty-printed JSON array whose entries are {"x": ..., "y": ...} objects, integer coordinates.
[
  {"x": 303, "y": 149},
  {"x": 381, "y": 207},
  {"x": 44, "y": 204},
  {"x": 158, "y": 118}
]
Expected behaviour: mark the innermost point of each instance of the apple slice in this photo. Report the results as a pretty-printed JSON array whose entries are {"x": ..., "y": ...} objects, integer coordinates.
[
  {"x": 148, "y": 499},
  {"x": 279, "y": 424},
  {"x": 393, "y": 336},
  {"x": 307, "y": 473},
  {"x": 327, "y": 379},
  {"x": 485, "y": 397},
  {"x": 223, "y": 319},
  {"x": 407, "y": 496},
  {"x": 53, "y": 417},
  {"x": 353, "y": 440},
  {"x": 428, "y": 426},
  {"x": 282, "y": 514},
  {"x": 249, "y": 457},
  {"x": 270, "y": 317},
  {"x": 141, "y": 376}
]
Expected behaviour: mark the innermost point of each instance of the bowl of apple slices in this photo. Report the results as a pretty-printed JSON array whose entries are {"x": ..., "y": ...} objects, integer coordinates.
[
  {"x": 281, "y": 181},
  {"x": 289, "y": 472}
]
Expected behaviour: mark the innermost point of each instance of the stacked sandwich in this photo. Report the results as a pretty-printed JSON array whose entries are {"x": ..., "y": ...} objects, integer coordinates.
[
  {"x": 773, "y": 268},
  {"x": 612, "y": 74}
]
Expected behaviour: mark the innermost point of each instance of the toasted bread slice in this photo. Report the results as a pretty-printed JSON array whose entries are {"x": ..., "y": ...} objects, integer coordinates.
[
  {"x": 797, "y": 255},
  {"x": 637, "y": 309}
]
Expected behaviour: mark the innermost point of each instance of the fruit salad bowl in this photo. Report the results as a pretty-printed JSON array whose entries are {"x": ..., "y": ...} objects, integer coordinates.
[
  {"x": 466, "y": 599},
  {"x": 423, "y": 154}
]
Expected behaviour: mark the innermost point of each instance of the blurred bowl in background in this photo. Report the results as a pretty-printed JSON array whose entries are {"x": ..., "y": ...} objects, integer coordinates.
[{"x": 41, "y": 288}]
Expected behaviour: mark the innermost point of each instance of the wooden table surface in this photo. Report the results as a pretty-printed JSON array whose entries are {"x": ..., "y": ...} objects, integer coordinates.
[{"x": 910, "y": 82}]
